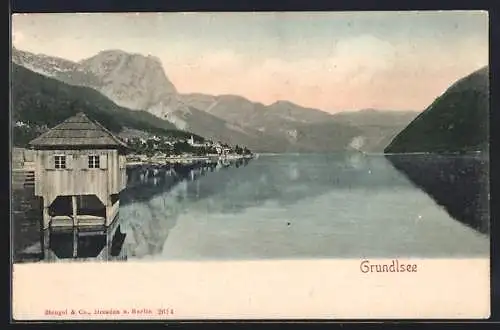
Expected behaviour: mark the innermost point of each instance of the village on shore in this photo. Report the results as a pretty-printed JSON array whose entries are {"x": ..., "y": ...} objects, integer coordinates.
[
  {"x": 157, "y": 150},
  {"x": 162, "y": 150},
  {"x": 153, "y": 150}
]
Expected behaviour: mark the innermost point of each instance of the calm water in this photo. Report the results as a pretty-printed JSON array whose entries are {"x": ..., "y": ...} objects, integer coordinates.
[
  {"x": 290, "y": 206},
  {"x": 286, "y": 206}
]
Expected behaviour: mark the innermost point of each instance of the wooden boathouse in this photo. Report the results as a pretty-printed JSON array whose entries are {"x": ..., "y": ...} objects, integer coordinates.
[{"x": 80, "y": 169}]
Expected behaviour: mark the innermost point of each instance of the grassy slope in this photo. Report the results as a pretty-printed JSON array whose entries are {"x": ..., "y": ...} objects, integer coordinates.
[
  {"x": 40, "y": 100},
  {"x": 457, "y": 121}
]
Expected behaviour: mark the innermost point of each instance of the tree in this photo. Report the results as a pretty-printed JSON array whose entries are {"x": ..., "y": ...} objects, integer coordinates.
[
  {"x": 238, "y": 150},
  {"x": 182, "y": 147}
]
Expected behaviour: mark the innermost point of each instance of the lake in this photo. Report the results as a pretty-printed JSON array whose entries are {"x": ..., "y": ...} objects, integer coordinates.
[{"x": 293, "y": 206}]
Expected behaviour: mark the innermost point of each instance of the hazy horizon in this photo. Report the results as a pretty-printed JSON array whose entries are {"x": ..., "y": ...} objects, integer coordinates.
[{"x": 336, "y": 61}]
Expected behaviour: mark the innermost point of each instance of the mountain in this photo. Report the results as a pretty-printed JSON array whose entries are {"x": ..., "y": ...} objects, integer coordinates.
[
  {"x": 373, "y": 129},
  {"x": 139, "y": 82},
  {"x": 457, "y": 121},
  {"x": 133, "y": 81},
  {"x": 136, "y": 82},
  {"x": 378, "y": 127},
  {"x": 44, "y": 64},
  {"x": 376, "y": 117},
  {"x": 304, "y": 128},
  {"x": 94, "y": 82},
  {"x": 237, "y": 109},
  {"x": 130, "y": 80},
  {"x": 277, "y": 118},
  {"x": 39, "y": 102}
]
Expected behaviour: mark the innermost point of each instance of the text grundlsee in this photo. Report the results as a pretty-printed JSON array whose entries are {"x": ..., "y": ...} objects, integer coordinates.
[{"x": 395, "y": 266}]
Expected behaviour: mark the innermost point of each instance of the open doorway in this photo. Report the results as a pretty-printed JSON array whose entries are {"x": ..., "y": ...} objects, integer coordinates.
[
  {"x": 90, "y": 205},
  {"x": 61, "y": 206}
]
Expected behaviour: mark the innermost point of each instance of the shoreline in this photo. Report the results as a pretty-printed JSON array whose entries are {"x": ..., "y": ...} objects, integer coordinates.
[
  {"x": 28, "y": 166},
  {"x": 188, "y": 160}
]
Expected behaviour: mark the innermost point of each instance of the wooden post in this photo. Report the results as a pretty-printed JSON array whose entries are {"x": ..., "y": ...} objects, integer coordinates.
[
  {"x": 45, "y": 218},
  {"x": 75, "y": 242},
  {"x": 46, "y": 245},
  {"x": 73, "y": 205},
  {"x": 75, "y": 223},
  {"x": 107, "y": 256},
  {"x": 109, "y": 210}
]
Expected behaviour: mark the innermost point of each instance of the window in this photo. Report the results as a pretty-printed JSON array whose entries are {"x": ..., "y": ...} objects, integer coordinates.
[
  {"x": 93, "y": 161},
  {"x": 60, "y": 161}
]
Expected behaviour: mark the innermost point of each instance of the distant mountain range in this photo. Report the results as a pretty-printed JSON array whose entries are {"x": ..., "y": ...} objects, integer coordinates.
[
  {"x": 133, "y": 82},
  {"x": 457, "y": 121}
]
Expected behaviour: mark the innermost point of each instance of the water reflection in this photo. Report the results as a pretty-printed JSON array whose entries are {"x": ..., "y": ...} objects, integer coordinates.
[
  {"x": 316, "y": 205},
  {"x": 75, "y": 244},
  {"x": 150, "y": 209},
  {"x": 459, "y": 183},
  {"x": 286, "y": 179},
  {"x": 156, "y": 196},
  {"x": 349, "y": 203},
  {"x": 152, "y": 212},
  {"x": 144, "y": 182},
  {"x": 26, "y": 215}
]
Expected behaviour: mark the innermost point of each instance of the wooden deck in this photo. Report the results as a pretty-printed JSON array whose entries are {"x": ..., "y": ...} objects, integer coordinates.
[{"x": 81, "y": 221}]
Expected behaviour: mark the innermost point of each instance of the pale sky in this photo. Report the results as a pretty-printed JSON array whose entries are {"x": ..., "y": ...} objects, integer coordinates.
[{"x": 332, "y": 61}]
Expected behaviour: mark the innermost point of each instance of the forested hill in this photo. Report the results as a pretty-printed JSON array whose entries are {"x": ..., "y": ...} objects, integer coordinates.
[
  {"x": 40, "y": 102},
  {"x": 457, "y": 121}
]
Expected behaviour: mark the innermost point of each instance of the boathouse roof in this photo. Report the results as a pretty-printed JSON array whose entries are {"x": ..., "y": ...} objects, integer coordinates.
[{"x": 78, "y": 131}]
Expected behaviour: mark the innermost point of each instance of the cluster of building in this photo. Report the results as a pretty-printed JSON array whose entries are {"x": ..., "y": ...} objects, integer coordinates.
[{"x": 187, "y": 146}]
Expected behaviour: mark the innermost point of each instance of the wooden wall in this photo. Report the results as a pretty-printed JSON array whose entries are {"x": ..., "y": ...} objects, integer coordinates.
[
  {"x": 77, "y": 178},
  {"x": 21, "y": 156},
  {"x": 17, "y": 157}
]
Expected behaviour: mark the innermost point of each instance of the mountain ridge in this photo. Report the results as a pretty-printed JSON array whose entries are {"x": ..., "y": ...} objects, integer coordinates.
[
  {"x": 40, "y": 102},
  {"x": 139, "y": 82},
  {"x": 456, "y": 121}
]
